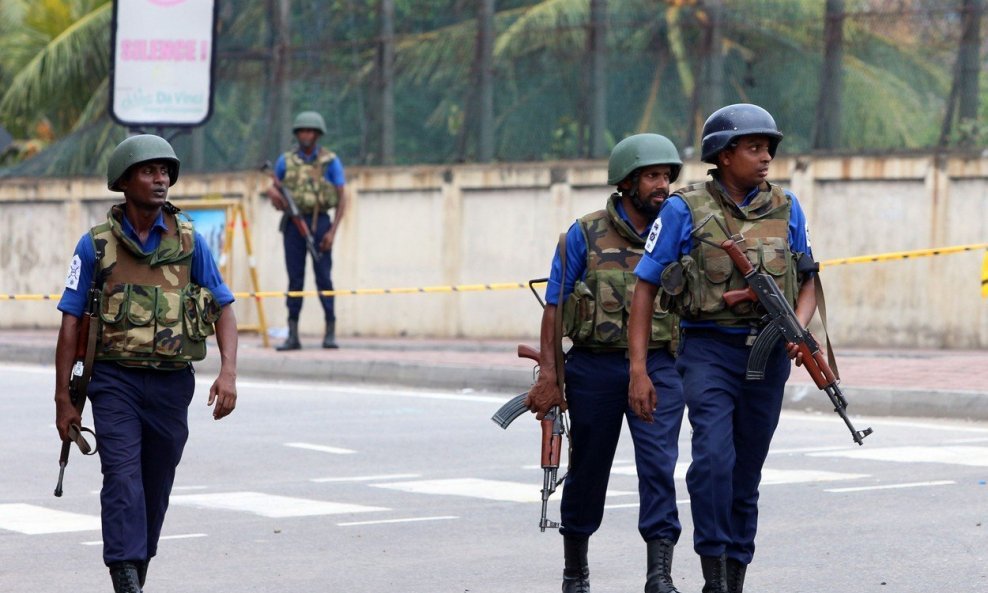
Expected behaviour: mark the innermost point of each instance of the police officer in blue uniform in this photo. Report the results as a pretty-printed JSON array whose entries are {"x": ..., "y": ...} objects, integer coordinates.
[
  {"x": 315, "y": 176},
  {"x": 160, "y": 295},
  {"x": 602, "y": 249},
  {"x": 733, "y": 419}
]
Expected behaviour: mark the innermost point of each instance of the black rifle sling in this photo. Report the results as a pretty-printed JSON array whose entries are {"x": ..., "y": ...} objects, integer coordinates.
[
  {"x": 560, "y": 357},
  {"x": 821, "y": 306},
  {"x": 87, "y": 370},
  {"x": 558, "y": 337},
  {"x": 821, "y": 303}
]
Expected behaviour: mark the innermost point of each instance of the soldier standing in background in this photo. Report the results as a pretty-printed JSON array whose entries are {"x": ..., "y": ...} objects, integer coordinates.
[
  {"x": 160, "y": 295},
  {"x": 733, "y": 419},
  {"x": 602, "y": 249},
  {"x": 314, "y": 175}
]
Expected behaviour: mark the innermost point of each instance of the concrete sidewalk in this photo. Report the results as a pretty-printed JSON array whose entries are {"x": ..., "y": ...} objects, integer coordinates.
[{"x": 919, "y": 383}]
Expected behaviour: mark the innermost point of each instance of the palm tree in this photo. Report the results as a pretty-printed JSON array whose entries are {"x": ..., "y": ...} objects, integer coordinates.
[{"x": 57, "y": 57}]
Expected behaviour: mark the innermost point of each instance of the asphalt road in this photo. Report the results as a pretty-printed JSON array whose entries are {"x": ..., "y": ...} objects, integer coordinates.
[{"x": 317, "y": 487}]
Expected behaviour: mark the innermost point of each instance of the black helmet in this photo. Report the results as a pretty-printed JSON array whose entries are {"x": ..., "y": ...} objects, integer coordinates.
[{"x": 728, "y": 123}]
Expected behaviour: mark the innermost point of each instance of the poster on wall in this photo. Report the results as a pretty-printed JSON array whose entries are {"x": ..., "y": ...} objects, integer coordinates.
[
  {"x": 211, "y": 224},
  {"x": 162, "y": 57}
]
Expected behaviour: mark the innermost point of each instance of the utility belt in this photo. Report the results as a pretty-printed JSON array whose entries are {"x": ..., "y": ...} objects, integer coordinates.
[
  {"x": 623, "y": 351},
  {"x": 732, "y": 338}
]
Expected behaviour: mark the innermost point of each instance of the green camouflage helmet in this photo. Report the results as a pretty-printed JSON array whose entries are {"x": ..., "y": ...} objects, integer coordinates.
[
  {"x": 642, "y": 150},
  {"x": 140, "y": 149},
  {"x": 309, "y": 120}
]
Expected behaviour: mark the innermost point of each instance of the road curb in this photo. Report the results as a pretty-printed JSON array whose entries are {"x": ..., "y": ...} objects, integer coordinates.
[{"x": 862, "y": 401}]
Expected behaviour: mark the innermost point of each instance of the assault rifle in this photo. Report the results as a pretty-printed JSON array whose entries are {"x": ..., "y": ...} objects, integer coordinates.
[
  {"x": 782, "y": 322},
  {"x": 82, "y": 369},
  {"x": 553, "y": 429},
  {"x": 294, "y": 214}
]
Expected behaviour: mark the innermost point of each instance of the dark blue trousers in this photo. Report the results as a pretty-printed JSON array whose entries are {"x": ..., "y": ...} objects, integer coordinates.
[
  {"x": 733, "y": 422},
  {"x": 295, "y": 256},
  {"x": 597, "y": 395},
  {"x": 141, "y": 420}
]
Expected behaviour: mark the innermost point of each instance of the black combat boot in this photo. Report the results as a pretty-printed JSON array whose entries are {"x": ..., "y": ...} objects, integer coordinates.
[
  {"x": 125, "y": 577},
  {"x": 714, "y": 574},
  {"x": 142, "y": 572},
  {"x": 576, "y": 571},
  {"x": 291, "y": 342},
  {"x": 735, "y": 575},
  {"x": 329, "y": 341},
  {"x": 658, "y": 579}
]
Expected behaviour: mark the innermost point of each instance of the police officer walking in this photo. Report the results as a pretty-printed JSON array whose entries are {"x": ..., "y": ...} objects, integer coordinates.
[
  {"x": 733, "y": 419},
  {"x": 602, "y": 249},
  {"x": 160, "y": 295},
  {"x": 314, "y": 176}
]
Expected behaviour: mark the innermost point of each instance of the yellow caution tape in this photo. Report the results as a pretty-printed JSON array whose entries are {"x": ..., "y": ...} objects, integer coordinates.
[
  {"x": 378, "y": 291},
  {"x": 862, "y": 259},
  {"x": 984, "y": 276}
]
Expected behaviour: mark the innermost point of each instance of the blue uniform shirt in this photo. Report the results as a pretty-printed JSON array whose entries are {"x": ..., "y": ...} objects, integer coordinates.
[
  {"x": 203, "y": 270},
  {"x": 673, "y": 228},
  {"x": 334, "y": 172},
  {"x": 576, "y": 260}
]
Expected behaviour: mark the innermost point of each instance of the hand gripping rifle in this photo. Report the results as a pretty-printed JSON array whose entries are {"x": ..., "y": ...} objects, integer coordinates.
[
  {"x": 294, "y": 214},
  {"x": 553, "y": 424},
  {"x": 82, "y": 369},
  {"x": 782, "y": 321},
  {"x": 553, "y": 429}
]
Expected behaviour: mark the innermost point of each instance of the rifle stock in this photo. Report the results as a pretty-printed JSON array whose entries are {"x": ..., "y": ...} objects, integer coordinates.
[
  {"x": 79, "y": 384},
  {"x": 782, "y": 321}
]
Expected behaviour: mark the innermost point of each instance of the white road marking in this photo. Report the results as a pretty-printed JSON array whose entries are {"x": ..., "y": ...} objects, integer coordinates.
[
  {"x": 34, "y": 520},
  {"x": 769, "y": 476},
  {"x": 28, "y": 369},
  {"x": 164, "y": 537},
  {"x": 270, "y": 505},
  {"x": 773, "y": 477},
  {"x": 366, "y": 478},
  {"x": 321, "y": 448},
  {"x": 478, "y": 488},
  {"x": 805, "y": 450},
  {"x": 369, "y": 391},
  {"x": 189, "y": 488},
  {"x": 957, "y": 454},
  {"x": 892, "y": 486},
  {"x": 386, "y": 521}
]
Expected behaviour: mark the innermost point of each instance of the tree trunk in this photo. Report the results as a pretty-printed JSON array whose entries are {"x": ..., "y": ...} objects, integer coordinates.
[
  {"x": 485, "y": 73},
  {"x": 963, "y": 96},
  {"x": 969, "y": 70},
  {"x": 712, "y": 84},
  {"x": 598, "y": 78},
  {"x": 826, "y": 131},
  {"x": 386, "y": 81},
  {"x": 280, "y": 103}
]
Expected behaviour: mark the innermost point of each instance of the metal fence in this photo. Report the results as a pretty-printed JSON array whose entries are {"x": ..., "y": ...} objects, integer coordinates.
[{"x": 403, "y": 82}]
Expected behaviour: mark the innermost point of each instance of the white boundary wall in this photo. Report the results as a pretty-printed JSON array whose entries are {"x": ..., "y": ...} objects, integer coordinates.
[{"x": 449, "y": 225}]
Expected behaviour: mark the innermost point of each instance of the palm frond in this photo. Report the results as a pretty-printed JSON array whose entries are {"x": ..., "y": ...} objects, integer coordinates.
[
  {"x": 558, "y": 25},
  {"x": 66, "y": 70}
]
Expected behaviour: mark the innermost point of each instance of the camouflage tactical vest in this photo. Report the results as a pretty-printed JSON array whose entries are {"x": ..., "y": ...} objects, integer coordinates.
[
  {"x": 150, "y": 313},
  {"x": 694, "y": 286},
  {"x": 307, "y": 181},
  {"x": 595, "y": 314}
]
